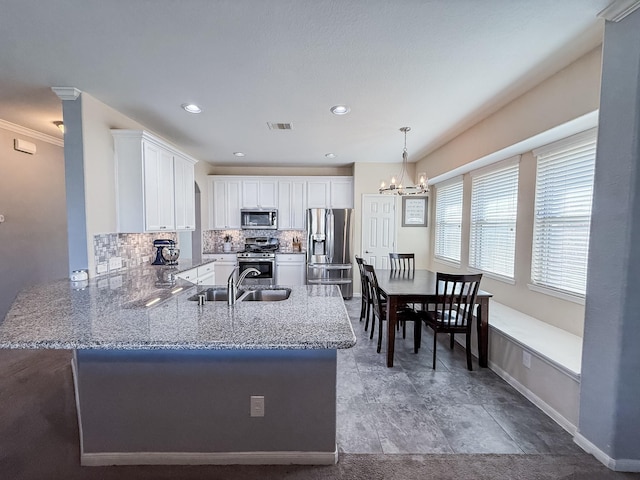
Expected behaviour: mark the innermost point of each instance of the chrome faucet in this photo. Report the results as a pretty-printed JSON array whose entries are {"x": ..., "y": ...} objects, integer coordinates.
[{"x": 232, "y": 287}]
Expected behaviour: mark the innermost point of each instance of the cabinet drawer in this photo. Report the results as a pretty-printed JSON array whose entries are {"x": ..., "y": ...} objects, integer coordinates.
[
  {"x": 205, "y": 269},
  {"x": 189, "y": 275},
  {"x": 292, "y": 258}
]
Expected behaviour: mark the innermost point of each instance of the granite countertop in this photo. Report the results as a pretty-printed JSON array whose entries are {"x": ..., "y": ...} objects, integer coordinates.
[{"x": 111, "y": 313}]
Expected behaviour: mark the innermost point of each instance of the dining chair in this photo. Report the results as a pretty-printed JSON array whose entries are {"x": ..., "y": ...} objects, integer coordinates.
[
  {"x": 364, "y": 304},
  {"x": 453, "y": 309},
  {"x": 402, "y": 261},
  {"x": 380, "y": 311}
]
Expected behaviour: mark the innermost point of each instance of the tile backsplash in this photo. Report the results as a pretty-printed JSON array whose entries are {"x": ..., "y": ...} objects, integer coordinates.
[
  {"x": 212, "y": 240},
  {"x": 134, "y": 248}
]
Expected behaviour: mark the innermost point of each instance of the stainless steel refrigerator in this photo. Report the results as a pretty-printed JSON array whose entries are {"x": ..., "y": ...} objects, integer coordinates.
[{"x": 329, "y": 248}]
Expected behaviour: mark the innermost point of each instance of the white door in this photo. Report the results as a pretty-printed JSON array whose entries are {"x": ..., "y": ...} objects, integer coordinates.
[{"x": 378, "y": 229}]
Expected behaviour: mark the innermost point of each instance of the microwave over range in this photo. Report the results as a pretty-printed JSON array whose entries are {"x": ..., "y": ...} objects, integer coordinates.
[{"x": 259, "y": 219}]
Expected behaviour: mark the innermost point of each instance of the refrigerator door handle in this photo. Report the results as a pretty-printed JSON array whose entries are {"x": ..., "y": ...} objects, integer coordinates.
[{"x": 330, "y": 235}]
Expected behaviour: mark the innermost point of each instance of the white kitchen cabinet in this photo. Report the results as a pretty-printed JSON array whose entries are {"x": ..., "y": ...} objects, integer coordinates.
[
  {"x": 318, "y": 193},
  {"x": 291, "y": 196},
  {"x": 292, "y": 204},
  {"x": 330, "y": 192},
  {"x": 206, "y": 274},
  {"x": 290, "y": 269},
  {"x": 225, "y": 211},
  {"x": 146, "y": 183},
  {"x": 158, "y": 188},
  {"x": 223, "y": 266},
  {"x": 202, "y": 275},
  {"x": 260, "y": 193},
  {"x": 185, "y": 201}
]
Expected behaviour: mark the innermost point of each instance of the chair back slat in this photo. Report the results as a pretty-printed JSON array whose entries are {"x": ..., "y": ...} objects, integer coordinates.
[
  {"x": 363, "y": 279},
  {"x": 374, "y": 290},
  {"x": 456, "y": 298},
  {"x": 402, "y": 261}
]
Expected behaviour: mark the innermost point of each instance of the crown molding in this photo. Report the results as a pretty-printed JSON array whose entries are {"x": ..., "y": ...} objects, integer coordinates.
[
  {"x": 66, "y": 93},
  {"x": 31, "y": 133},
  {"x": 618, "y": 9}
]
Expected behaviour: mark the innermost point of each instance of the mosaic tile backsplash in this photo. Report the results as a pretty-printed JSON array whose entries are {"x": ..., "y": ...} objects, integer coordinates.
[
  {"x": 134, "y": 248},
  {"x": 213, "y": 240}
]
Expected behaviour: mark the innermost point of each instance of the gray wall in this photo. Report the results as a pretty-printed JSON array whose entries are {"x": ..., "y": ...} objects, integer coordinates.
[
  {"x": 75, "y": 188},
  {"x": 33, "y": 238},
  {"x": 610, "y": 391}
]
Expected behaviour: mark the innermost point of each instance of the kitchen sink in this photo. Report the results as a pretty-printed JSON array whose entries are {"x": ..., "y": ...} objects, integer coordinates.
[
  {"x": 215, "y": 294},
  {"x": 265, "y": 295}
]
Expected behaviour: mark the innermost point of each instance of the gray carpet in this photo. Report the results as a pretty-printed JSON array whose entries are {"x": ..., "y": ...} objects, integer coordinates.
[{"x": 39, "y": 440}]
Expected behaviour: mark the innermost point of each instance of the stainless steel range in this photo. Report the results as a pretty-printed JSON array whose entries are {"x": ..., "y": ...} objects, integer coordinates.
[{"x": 259, "y": 252}]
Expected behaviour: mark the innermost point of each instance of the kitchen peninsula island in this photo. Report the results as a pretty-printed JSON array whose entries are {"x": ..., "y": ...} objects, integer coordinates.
[{"x": 170, "y": 381}]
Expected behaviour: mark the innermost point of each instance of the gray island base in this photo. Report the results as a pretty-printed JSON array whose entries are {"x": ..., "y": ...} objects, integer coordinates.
[
  {"x": 193, "y": 407},
  {"x": 160, "y": 379}
]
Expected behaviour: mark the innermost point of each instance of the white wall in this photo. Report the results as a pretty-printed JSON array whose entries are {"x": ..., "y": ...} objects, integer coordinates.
[
  {"x": 567, "y": 95},
  {"x": 100, "y": 200}
]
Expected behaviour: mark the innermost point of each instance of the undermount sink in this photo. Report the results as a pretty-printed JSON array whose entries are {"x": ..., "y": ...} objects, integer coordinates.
[{"x": 214, "y": 294}]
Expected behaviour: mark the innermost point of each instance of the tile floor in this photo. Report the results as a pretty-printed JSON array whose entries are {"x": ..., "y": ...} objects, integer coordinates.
[{"x": 411, "y": 408}]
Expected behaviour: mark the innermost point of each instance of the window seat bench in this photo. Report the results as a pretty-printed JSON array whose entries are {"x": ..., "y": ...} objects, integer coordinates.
[
  {"x": 539, "y": 360},
  {"x": 552, "y": 344}
]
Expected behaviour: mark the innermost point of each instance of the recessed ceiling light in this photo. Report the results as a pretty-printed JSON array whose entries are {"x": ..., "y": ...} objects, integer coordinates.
[
  {"x": 340, "y": 109},
  {"x": 330, "y": 155},
  {"x": 238, "y": 154},
  {"x": 191, "y": 107}
]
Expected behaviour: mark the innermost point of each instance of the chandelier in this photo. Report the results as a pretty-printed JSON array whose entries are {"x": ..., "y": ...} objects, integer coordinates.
[{"x": 398, "y": 185}]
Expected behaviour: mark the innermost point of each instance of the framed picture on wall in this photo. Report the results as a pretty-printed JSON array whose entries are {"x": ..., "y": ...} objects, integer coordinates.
[{"x": 414, "y": 211}]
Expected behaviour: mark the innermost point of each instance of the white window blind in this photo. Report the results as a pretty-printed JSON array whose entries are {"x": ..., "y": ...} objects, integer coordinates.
[
  {"x": 494, "y": 208},
  {"x": 564, "y": 188},
  {"x": 448, "y": 221}
]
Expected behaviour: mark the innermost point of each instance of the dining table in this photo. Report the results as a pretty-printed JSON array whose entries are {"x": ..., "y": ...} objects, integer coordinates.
[{"x": 418, "y": 286}]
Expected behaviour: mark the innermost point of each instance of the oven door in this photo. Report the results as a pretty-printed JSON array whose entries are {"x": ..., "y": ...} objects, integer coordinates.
[{"x": 265, "y": 265}]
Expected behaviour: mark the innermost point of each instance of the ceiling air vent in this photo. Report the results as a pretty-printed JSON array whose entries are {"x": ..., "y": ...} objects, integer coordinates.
[{"x": 279, "y": 126}]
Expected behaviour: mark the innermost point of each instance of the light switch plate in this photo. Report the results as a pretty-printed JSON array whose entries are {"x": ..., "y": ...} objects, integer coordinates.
[{"x": 102, "y": 268}]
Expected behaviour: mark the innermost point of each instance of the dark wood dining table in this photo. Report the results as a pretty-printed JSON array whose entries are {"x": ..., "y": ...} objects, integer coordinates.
[{"x": 419, "y": 287}]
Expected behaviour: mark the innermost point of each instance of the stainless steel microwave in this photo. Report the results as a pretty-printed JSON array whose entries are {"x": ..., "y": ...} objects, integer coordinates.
[{"x": 258, "y": 219}]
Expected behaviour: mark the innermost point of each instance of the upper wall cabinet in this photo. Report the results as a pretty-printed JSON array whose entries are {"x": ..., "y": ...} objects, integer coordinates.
[
  {"x": 330, "y": 192},
  {"x": 292, "y": 204},
  {"x": 155, "y": 188},
  {"x": 225, "y": 193},
  {"x": 290, "y": 195},
  {"x": 259, "y": 193}
]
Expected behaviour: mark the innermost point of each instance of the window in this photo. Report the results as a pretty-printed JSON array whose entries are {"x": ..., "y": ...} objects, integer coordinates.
[
  {"x": 564, "y": 187},
  {"x": 494, "y": 208},
  {"x": 448, "y": 220}
]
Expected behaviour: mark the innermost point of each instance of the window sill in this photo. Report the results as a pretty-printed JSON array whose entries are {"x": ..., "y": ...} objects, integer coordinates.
[
  {"x": 579, "y": 299},
  {"x": 449, "y": 263},
  {"x": 494, "y": 276}
]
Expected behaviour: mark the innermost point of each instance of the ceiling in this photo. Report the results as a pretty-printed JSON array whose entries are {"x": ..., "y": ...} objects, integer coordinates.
[{"x": 437, "y": 66}]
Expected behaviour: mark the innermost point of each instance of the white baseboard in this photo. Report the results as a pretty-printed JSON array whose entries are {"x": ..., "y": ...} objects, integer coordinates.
[
  {"x": 533, "y": 398},
  {"x": 617, "y": 465},
  {"x": 208, "y": 458}
]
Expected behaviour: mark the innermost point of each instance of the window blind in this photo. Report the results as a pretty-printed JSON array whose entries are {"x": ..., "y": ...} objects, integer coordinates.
[
  {"x": 564, "y": 188},
  {"x": 448, "y": 221},
  {"x": 494, "y": 208}
]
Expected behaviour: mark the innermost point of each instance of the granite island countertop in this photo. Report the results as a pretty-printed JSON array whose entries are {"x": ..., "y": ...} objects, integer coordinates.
[{"x": 111, "y": 312}]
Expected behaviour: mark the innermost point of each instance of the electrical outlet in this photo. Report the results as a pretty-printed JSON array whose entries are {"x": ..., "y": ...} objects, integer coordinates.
[
  {"x": 102, "y": 268},
  {"x": 115, "y": 263},
  {"x": 526, "y": 359},
  {"x": 257, "y": 406}
]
